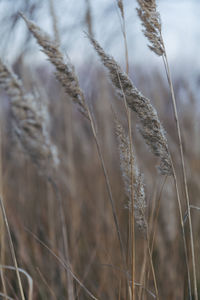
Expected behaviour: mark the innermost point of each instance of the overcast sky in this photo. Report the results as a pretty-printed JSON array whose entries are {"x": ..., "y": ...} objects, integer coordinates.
[
  {"x": 181, "y": 31},
  {"x": 180, "y": 20}
]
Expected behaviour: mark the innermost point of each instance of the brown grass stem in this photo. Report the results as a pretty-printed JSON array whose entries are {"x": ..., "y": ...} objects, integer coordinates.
[
  {"x": 6, "y": 297},
  {"x": 109, "y": 190},
  {"x": 155, "y": 223},
  {"x": 29, "y": 279},
  {"x": 54, "y": 21},
  {"x": 147, "y": 236},
  {"x": 46, "y": 283},
  {"x": 142, "y": 276},
  {"x": 151, "y": 22},
  {"x": 133, "y": 247},
  {"x": 12, "y": 249},
  {"x": 120, "y": 5},
  {"x": 70, "y": 289},
  {"x": 88, "y": 17},
  {"x": 66, "y": 75},
  {"x": 169, "y": 78},
  {"x": 183, "y": 229},
  {"x": 165, "y": 60},
  {"x": 156, "y": 215},
  {"x": 151, "y": 263},
  {"x": 132, "y": 214},
  {"x": 2, "y": 225},
  {"x": 128, "y": 113},
  {"x": 63, "y": 264}
]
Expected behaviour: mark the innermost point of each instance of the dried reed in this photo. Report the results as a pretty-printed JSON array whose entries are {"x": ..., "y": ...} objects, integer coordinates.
[
  {"x": 88, "y": 17},
  {"x": 30, "y": 118},
  {"x": 131, "y": 233},
  {"x": 65, "y": 73},
  {"x": 150, "y": 18},
  {"x": 2, "y": 224},
  {"x": 12, "y": 249},
  {"x": 120, "y": 5},
  {"x": 54, "y": 21},
  {"x": 151, "y": 128},
  {"x": 139, "y": 202},
  {"x": 125, "y": 163}
]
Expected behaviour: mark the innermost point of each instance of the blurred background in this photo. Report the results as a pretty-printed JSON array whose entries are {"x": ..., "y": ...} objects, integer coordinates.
[
  {"x": 30, "y": 202},
  {"x": 180, "y": 19}
]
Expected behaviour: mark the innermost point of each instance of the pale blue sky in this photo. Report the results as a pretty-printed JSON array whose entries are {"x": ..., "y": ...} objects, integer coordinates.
[{"x": 181, "y": 31}]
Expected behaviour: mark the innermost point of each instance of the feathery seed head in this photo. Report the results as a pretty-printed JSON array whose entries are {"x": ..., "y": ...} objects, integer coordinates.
[
  {"x": 127, "y": 161},
  {"x": 64, "y": 72},
  {"x": 30, "y": 122},
  {"x": 151, "y": 22},
  {"x": 151, "y": 128}
]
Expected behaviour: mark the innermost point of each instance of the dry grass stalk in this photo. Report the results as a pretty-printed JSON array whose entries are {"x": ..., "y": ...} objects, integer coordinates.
[
  {"x": 125, "y": 163},
  {"x": 131, "y": 233},
  {"x": 2, "y": 225},
  {"x": 7, "y": 227},
  {"x": 139, "y": 202},
  {"x": 28, "y": 277},
  {"x": 54, "y": 21},
  {"x": 151, "y": 128},
  {"x": 66, "y": 75},
  {"x": 185, "y": 189},
  {"x": 30, "y": 119},
  {"x": 64, "y": 72},
  {"x": 151, "y": 21},
  {"x": 12, "y": 248},
  {"x": 120, "y": 5},
  {"x": 64, "y": 265},
  {"x": 88, "y": 17},
  {"x": 150, "y": 18},
  {"x": 70, "y": 287}
]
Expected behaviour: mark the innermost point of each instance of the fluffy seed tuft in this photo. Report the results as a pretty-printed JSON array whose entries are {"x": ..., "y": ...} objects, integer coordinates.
[
  {"x": 150, "y": 126},
  {"x": 64, "y": 72},
  {"x": 30, "y": 117},
  {"x": 125, "y": 163},
  {"x": 151, "y": 23}
]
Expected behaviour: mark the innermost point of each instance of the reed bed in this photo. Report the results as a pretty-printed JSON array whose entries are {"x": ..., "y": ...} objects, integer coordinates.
[{"x": 100, "y": 193}]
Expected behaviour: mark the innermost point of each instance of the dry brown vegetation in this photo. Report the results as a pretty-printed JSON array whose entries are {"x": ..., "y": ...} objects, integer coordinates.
[{"x": 100, "y": 181}]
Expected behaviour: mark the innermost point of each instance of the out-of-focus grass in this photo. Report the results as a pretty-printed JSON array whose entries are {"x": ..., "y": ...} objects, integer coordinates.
[{"x": 94, "y": 249}]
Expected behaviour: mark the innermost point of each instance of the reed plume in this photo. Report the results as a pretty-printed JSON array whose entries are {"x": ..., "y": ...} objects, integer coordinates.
[
  {"x": 66, "y": 75},
  {"x": 64, "y": 72},
  {"x": 30, "y": 117},
  {"x": 126, "y": 165},
  {"x": 151, "y": 128},
  {"x": 152, "y": 29},
  {"x": 127, "y": 162},
  {"x": 151, "y": 22}
]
